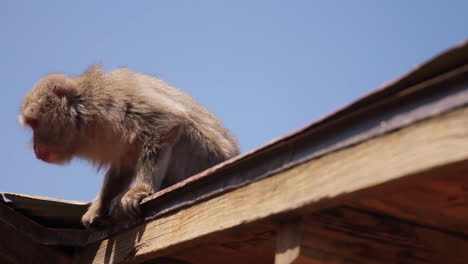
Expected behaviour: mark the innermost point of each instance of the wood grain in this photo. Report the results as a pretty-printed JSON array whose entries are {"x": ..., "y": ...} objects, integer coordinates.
[
  {"x": 441, "y": 202},
  {"x": 49, "y": 212},
  {"x": 344, "y": 235},
  {"x": 15, "y": 247}
]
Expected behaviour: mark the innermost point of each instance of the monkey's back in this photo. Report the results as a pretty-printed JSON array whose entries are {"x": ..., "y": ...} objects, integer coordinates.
[{"x": 148, "y": 104}]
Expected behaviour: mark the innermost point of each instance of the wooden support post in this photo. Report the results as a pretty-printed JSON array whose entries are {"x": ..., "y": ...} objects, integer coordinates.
[{"x": 288, "y": 243}]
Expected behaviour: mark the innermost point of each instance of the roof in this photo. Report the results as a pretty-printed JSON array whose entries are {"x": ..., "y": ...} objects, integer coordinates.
[
  {"x": 384, "y": 175},
  {"x": 319, "y": 137},
  {"x": 50, "y": 212}
]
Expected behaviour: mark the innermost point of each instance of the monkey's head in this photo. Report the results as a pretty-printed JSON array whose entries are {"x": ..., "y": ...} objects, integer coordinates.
[{"x": 50, "y": 110}]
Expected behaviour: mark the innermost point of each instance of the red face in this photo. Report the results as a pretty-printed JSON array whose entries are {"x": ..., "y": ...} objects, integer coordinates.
[
  {"x": 48, "y": 111},
  {"x": 43, "y": 151}
]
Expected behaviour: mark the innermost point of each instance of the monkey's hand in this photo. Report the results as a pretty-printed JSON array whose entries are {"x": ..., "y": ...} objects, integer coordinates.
[
  {"x": 96, "y": 217},
  {"x": 130, "y": 203}
]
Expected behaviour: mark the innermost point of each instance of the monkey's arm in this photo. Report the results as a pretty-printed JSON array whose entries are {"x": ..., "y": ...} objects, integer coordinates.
[
  {"x": 116, "y": 181},
  {"x": 151, "y": 169}
]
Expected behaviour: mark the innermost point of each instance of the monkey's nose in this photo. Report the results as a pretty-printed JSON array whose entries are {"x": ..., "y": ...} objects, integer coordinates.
[{"x": 41, "y": 152}]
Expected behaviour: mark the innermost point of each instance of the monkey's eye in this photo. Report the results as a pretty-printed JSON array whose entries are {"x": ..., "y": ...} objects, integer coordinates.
[{"x": 33, "y": 123}]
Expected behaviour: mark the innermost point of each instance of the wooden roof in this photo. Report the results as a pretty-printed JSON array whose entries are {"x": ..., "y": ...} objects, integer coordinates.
[{"x": 381, "y": 180}]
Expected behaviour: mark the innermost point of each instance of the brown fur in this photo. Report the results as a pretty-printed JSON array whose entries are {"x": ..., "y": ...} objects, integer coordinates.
[{"x": 141, "y": 128}]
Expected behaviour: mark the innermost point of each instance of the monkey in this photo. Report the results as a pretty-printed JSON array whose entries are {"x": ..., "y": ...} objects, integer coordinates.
[{"x": 148, "y": 134}]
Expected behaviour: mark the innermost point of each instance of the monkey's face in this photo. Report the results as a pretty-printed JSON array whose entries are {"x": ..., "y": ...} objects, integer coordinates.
[
  {"x": 49, "y": 111},
  {"x": 49, "y": 145}
]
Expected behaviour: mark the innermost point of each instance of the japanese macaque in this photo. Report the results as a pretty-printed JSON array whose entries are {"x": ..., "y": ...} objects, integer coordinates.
[{"x": 143, "y": 130}]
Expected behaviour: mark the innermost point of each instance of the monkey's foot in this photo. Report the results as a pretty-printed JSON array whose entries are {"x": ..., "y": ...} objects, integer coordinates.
[
  {"x": 94, "y": 220},
  {"x": 130, "y": 203}
]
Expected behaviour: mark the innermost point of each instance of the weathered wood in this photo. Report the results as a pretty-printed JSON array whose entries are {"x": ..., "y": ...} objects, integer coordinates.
[
  {"x": 39, "y": 233},
  {"x": 253, "y": 243},
  {"x": 50, "y": 212},
  {"x": 440, "y": 202},
  {"x": 18, "y": 222},
  {"x": 348, "y": 235},
  {"x": 319, "y": 183},
  {"x": 345, "y": 235},
  {"x": 17, "y": 248}
]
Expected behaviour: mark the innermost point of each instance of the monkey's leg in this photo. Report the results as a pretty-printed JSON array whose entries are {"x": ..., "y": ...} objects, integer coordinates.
[
  {"x": 151, "y": 169},
  {"x": 116, "y": 181}
]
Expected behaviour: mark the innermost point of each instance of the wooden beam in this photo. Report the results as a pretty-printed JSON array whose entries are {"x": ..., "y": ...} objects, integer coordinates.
[
  {"x": 49, "y": 212},
  {"x": 254, "y": 243},
  {"x": 18, "y": 222},
  {"x": 348, "y": 235},
  {"x": 38, "y": 233},
  {"x": 319, "y": 183},
  {"x": 440, "y": 202},
  {"x": 345, "y": 235}
]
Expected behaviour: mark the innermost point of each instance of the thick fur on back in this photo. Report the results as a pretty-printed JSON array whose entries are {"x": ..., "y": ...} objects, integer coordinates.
[{"x": 111, "y": 114}]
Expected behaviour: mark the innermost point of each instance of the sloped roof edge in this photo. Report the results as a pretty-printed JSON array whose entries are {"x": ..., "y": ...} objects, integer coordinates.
[{"x": 393, "y": 105}]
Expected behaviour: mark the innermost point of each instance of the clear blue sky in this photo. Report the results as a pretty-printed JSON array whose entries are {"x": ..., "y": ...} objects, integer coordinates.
[{"x": 264, "y": 67}]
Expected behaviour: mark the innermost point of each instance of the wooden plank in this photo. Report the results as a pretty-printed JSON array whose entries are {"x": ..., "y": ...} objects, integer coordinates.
[
  {"x": 254, "y": 244},
  {"x": 441, "y": 202},
  {"x": 16, "y": 221},
  {"x": 345, "y": 235},
  {"x": 49, "y": 212},
  {"x": 319, "y": 183},
  {"x": 15, "y": 247},
  {"x": 38, "y": 233},
  {"x": 214, "y": 254}
]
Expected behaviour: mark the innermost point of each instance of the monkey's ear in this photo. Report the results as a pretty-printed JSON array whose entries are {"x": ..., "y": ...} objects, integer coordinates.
[{"x": 63, "y": 92}]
